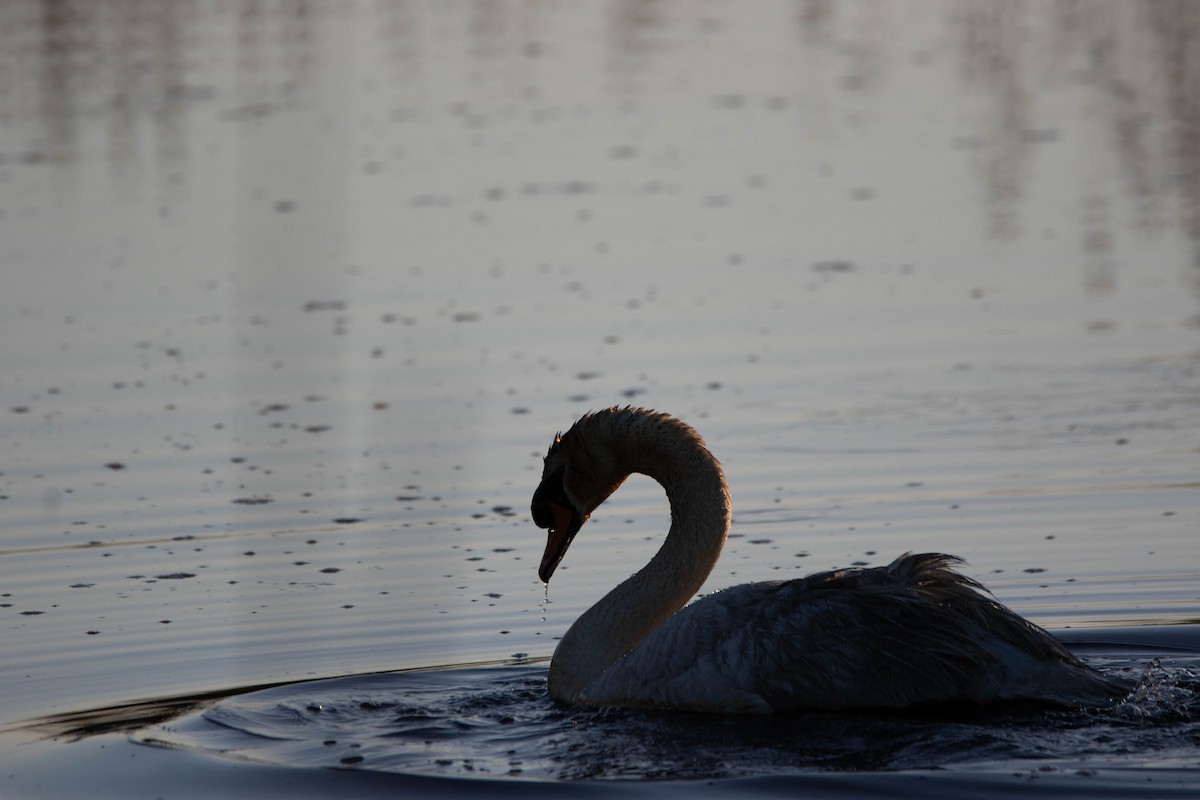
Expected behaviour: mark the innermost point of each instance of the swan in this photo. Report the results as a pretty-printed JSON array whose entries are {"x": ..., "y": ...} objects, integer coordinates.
[{"x": 912, "y": 633}]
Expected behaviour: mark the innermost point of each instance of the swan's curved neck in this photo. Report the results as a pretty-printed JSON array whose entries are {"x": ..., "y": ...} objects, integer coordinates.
[{"x": 700, "y": 511}]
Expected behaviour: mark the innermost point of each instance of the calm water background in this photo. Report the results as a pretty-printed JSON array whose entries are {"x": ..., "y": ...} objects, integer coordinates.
[{"x": 296, "y": 294}]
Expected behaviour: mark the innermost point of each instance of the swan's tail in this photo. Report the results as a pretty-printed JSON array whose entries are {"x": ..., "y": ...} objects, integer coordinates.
[{"x": 1032, "y": 657}]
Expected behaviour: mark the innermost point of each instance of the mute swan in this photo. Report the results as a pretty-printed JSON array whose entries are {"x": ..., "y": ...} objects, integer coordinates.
[{"x": 913, "y": 632}]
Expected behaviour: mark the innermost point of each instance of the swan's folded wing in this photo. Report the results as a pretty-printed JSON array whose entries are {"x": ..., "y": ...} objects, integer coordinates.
[{"x": 830, "y": 648}]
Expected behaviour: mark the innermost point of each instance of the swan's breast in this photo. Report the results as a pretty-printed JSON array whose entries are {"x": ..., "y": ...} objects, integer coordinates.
[{"x": 707, "y": 656}]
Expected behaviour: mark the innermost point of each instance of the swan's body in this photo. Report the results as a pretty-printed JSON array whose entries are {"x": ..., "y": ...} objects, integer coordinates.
[{"x": 914, "y": 632}]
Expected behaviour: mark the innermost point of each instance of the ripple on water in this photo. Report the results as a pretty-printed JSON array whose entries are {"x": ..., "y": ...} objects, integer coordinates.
[{"x": 498, "y": 722}]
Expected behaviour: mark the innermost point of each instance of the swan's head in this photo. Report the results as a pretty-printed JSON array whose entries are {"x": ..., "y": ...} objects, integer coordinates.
[{"x": 580, "y": 471}]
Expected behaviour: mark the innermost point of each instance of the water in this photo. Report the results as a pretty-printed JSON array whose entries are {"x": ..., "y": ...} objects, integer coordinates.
[
  {"x": 498, "y": 722},
  {"x": 494, "y": 724},
  {"x": 296, "y": 295}
]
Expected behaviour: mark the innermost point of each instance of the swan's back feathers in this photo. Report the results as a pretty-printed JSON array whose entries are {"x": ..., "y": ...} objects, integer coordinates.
[{"x": 914, "y": 632}]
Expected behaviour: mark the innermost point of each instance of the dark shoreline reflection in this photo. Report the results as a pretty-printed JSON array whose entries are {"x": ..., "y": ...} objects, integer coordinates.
[
  {"x": 1135, "y": 60},
  {"x": 142, "y": 66}
]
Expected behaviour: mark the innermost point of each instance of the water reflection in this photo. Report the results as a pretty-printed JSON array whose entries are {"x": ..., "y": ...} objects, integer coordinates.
[
  {"x": 142, "y": 66},
  {"x": 1133, "y": 60}
]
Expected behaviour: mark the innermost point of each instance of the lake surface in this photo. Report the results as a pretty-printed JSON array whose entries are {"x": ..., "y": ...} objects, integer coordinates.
[{"x": 296, "y": 295}]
